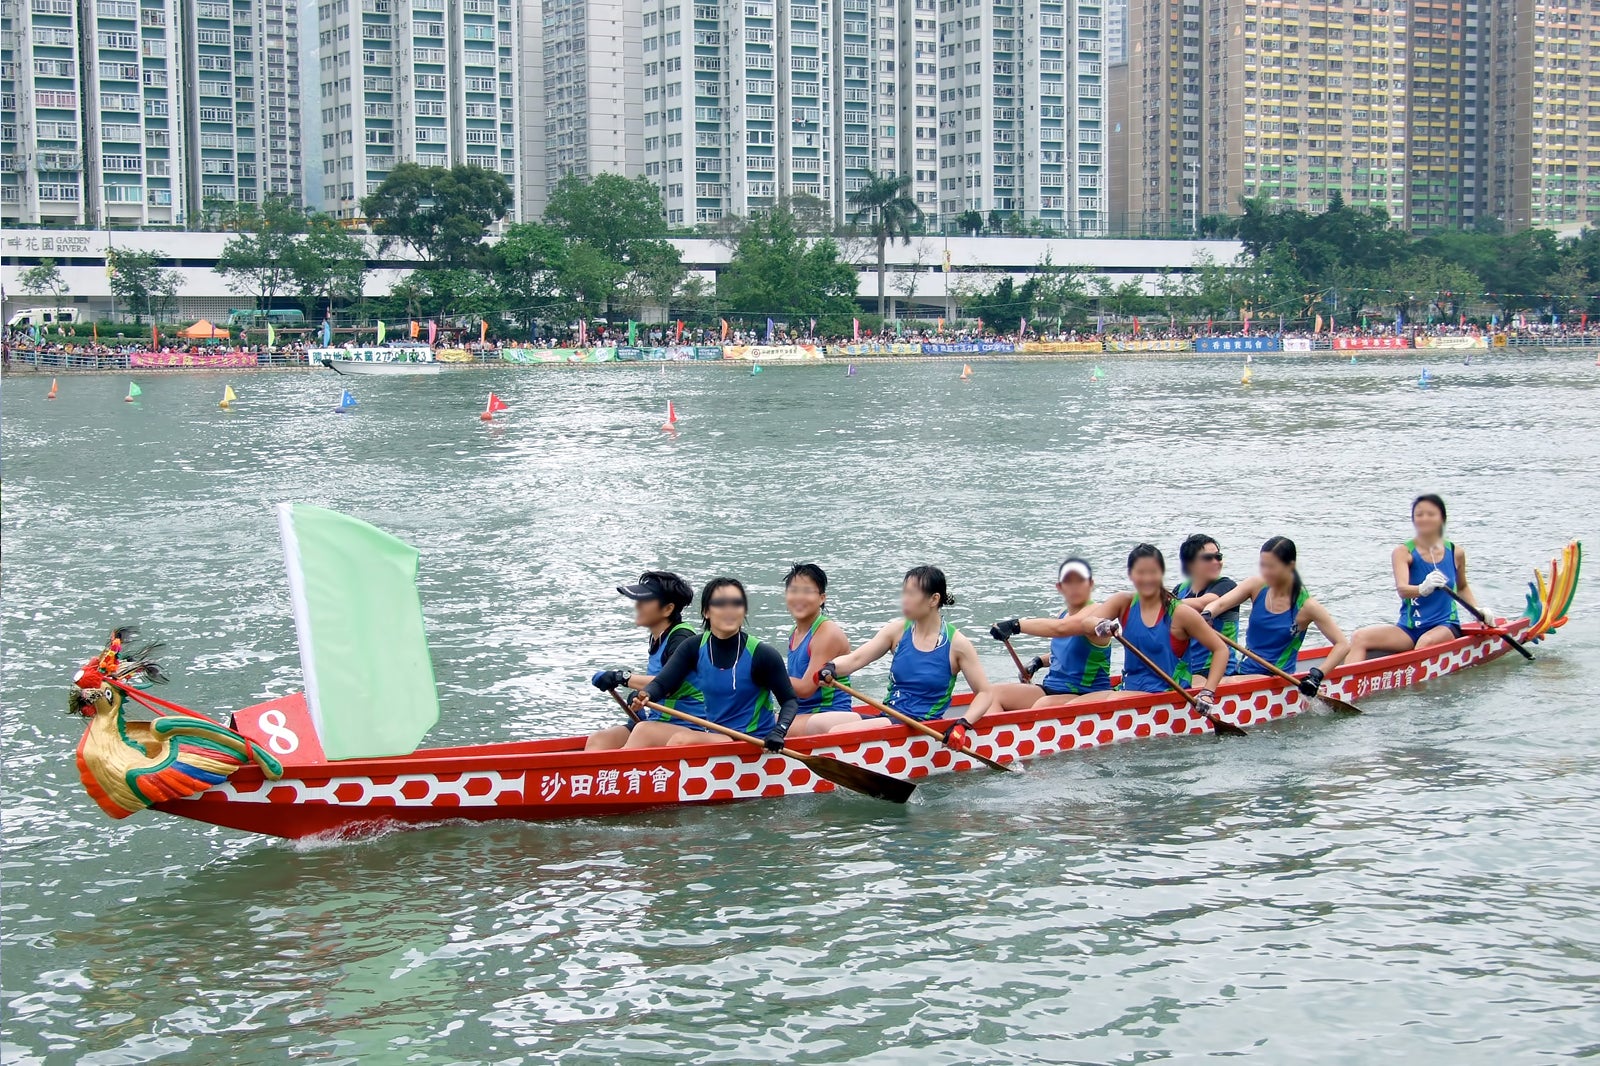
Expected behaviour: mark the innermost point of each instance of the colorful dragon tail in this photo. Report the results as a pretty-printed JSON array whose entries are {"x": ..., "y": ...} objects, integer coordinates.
[{"x": 1550, "y": 598}]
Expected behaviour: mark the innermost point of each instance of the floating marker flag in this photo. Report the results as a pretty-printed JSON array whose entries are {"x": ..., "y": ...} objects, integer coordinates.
[
  {"x": 383, "y": 331},
  {"x": 363, "y": 649},
  {"x": 53, "y": 387},
  {"x": 228, "y": 396},
  {"x": 494, "y": 407},
  {"x": 966, "y": 372},
  {"x": 755, "y": 370},
  {"x": 134, "y": 392},
  {"x": 433, "y": 331},
  {"x": 850, "y": 371},
  {"x": 671, "y": 424},
  {"x": 347, "y": 403}
]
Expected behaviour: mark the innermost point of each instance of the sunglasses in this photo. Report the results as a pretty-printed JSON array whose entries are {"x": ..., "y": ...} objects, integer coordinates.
[
  {"x": 1211, "y": 557},
  {"x": 720, "y": 602}
]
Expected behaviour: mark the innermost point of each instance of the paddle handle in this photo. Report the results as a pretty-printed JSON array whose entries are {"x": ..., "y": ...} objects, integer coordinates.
[
  {"x": 711, "y": 727},
  {"x": 1022, "y": 670},
  {"x": 1272, "y": 668},
  {"x": 632, "y": 715},
  {"x": 1162, "y": 674},
  {"x": 1502, "y": 634},
  {"x": 914, "y": 725}
]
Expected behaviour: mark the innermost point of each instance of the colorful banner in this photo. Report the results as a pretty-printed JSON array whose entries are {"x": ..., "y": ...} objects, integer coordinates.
[
  {"x": 538, "y": 355},
  {"x": 1148, "y": 344},
  {"x": 1297, "y": 344},
  {"x": 630, "y": 353},
  {"x": 677, "y": 353},
  {"x": 875, "y": 348},
  {"x": 1356, "y": 344},
  {"x": 773, "y": 353},
  {"x": 453, "y": 355},
  {"x": 1062, "y": 347},
  {"x": 1452, "y": 342},
  {"x": 707, "y": 352},
  {"x": 1261, "y": 342},
  {"x": 969, "y": 348},
  {"x": 201, "y": 360}
]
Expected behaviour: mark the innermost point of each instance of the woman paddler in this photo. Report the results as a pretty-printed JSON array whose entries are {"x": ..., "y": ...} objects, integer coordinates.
[
  {"x": 1200, "y": 559},
  {"x": 928, "y": 655},
  {"x": 1281, "y": 611},
  {"x": 1079, "y": 659},
  {"x": 659, "y": 599},
  {"x": 1424, "y": 567},
  {"x": 1160, "y": 628},
  {"x": 815, "y": 638},
  {"x": 742, "y": 681}
]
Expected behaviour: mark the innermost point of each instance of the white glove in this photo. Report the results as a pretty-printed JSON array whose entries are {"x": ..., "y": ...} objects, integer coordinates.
[
  {"x": 1488, "y": 617},
  {"x": 1432, "y": 583},
  {"x": 1107, "y": 627}
]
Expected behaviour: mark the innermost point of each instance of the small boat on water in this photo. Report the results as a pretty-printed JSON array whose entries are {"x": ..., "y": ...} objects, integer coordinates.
[
  {"x": 384, "y": 359},
  {"x": 343, "y": 758}
]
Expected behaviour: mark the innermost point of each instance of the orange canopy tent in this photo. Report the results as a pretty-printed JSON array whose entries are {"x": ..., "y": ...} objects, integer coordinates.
[{"x": 203, "y": 330}]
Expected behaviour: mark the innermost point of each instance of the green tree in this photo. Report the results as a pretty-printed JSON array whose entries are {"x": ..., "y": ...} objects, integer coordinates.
[
  {"x": 1006, "y": 305},
  {"x": 442, "y": 212},
  {"x": 970, "y": 222},
  {"x": 774, "y": 271},
  {"x": 887, "y": 212},
  {"x": 259, "y": 261},
  {"x": 610, "y": 212},
  {"x": 43, "y": 278},
  {"x": 327, "y": 265},
  {"x": 140, "y": 284}
]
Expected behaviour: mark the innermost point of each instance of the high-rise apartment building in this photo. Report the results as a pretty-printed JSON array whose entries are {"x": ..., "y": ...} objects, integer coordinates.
[
  {"x": 432, "y": 82},
  {"x": 1544, "y": 137},
  {"x": 1161, "y": 114},
  {"x": 1447, "y": 104},
  {"x": 145, "y": 112},
  {"x": 1116, "y": 27},
  {"x": 886, "y": 98},
  {"x": 1021, "y": 117}
]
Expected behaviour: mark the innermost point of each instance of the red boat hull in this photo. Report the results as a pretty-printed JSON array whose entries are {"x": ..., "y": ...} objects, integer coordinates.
[{"x": 547, "y": 780}]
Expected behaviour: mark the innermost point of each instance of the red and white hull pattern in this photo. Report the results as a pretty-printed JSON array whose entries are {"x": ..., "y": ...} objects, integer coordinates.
[{"x": 556, "y": 779}]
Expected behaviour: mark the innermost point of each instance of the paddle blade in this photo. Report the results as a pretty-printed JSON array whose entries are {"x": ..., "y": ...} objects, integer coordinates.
[
  {"x": 1337, "y": 705},
  {"x": 857, "y": 778},
  {"x": 1225, "y": 729}
]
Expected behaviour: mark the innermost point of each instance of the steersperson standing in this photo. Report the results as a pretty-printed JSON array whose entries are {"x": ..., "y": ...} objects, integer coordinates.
[
  {"x": 1424, "y": 567},
  {"x": 659, "y": 599},
  {"x": 1079, "y": 658},
  {"x": 743, "y": 681},
  {"x": 815, "y": 638},
  {"x": 1281, "y": 611},
  {"x": 928, "y": 655},
  {"x": 1200, "y": 559}
]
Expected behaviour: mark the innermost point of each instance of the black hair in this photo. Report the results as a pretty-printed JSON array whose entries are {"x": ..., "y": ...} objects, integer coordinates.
[
  {"x": 676, "y": 591},
  {"x": 1283, "y": 548},
  {"x": 811, "y": 572},
  {"x": 1189, "y": 550},
  {"x": 930, "y": 579},
  {"x": 1433, "y": 498},
  {"x": 715, "y": 585},
  {"x": 1146, "y": 551}
]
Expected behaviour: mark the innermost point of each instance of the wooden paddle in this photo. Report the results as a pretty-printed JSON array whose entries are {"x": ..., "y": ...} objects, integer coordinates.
[
  {"x": 856, "y": 778},
  {"x": 633, "y": 715},
  {"x": 1022, "y": 670},
  {"x": 916, "y": 726},
  {"x": 1502, "y": 634},
  {"x": 1333, "y": 703},
  {"x": 1224, "y": 729}
]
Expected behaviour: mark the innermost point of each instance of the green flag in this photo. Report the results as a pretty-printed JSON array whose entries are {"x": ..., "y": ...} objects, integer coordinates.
[
  {"x": 633, "y": 333},
  {"x": 134, "y": 390},
  {"x": 383, "y": 331},
  {"x": 363, "y": 651},
  {"x": 272, "y": 335}
]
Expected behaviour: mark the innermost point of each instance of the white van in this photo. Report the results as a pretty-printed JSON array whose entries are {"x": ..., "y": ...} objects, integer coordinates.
[{"x": 43, "y": 316}]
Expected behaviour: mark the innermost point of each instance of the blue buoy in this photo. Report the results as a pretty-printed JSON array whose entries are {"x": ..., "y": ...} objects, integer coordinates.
[
  {"x": 850, "y": 371},
  {"x": 1425, "y": 380},
  {"x": 755, "y": 370}
]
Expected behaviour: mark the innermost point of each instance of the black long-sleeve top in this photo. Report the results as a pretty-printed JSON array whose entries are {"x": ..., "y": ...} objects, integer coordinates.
[{"x": 768, "y": 669}]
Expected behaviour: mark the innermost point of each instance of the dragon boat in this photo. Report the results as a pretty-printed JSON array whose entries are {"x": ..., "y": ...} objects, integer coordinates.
[{"x": 343, "y": 758}]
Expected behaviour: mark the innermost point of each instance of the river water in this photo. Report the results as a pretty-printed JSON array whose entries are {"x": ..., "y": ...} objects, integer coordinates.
[{"x": 1421, "y": 883}]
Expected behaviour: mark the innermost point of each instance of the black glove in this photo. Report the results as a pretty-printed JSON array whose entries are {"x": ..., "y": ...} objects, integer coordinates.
[
  {"x": 1006, "y": 628},
  {"x": 1312, "y": 682},
  {"x": 956, "y": 735},
  {"x": 1033, "y": 666},
  {"x": 825, "y": 674},
  {"x": 775, "y": 737},
  {"x": 610, "y": 680}
]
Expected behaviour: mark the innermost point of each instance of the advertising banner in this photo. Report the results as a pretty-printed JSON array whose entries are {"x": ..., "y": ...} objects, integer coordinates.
[
  {"x": 630, "y": 355},
  {"x": 969, "y": 348},
  {"x": 1359, "y": 344},
  {"x": 675, "y": 354},
  {"x": 773, "y": 353},
  {"x": 1152, "y": 344},
  {"x": 1262, "y": 343},
  {"x": 706, "y": 352},
  {"x": 1297, "y": 344},
  {"x": 876, "y": 348},
  {"x": 194, "y": 360},
  {"x": 453, "y": 355},
  {"x": 1454, "y": 343},
  {"x": 1061, "y": 347},
  {"x": 537, "y": 355}
]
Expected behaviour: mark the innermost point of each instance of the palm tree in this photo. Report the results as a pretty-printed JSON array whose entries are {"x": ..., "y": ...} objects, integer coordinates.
[{"x": 884, "y": 208}]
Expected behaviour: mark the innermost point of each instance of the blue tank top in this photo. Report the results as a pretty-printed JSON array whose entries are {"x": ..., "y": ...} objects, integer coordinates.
[
  {"x": 1155, "y": 641},
  {"x": 1077, "y": 665},
  {"x": 1197, "y": 659},
  {"x": 732, "y": 696},
  {"x": 826, "y": 698},
  {"x": 1436, "y": 608},
  {"x": 1273, "y": 636},
  {"x": 920, "y": 682},
  {"x": 688, "y": 698}
]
